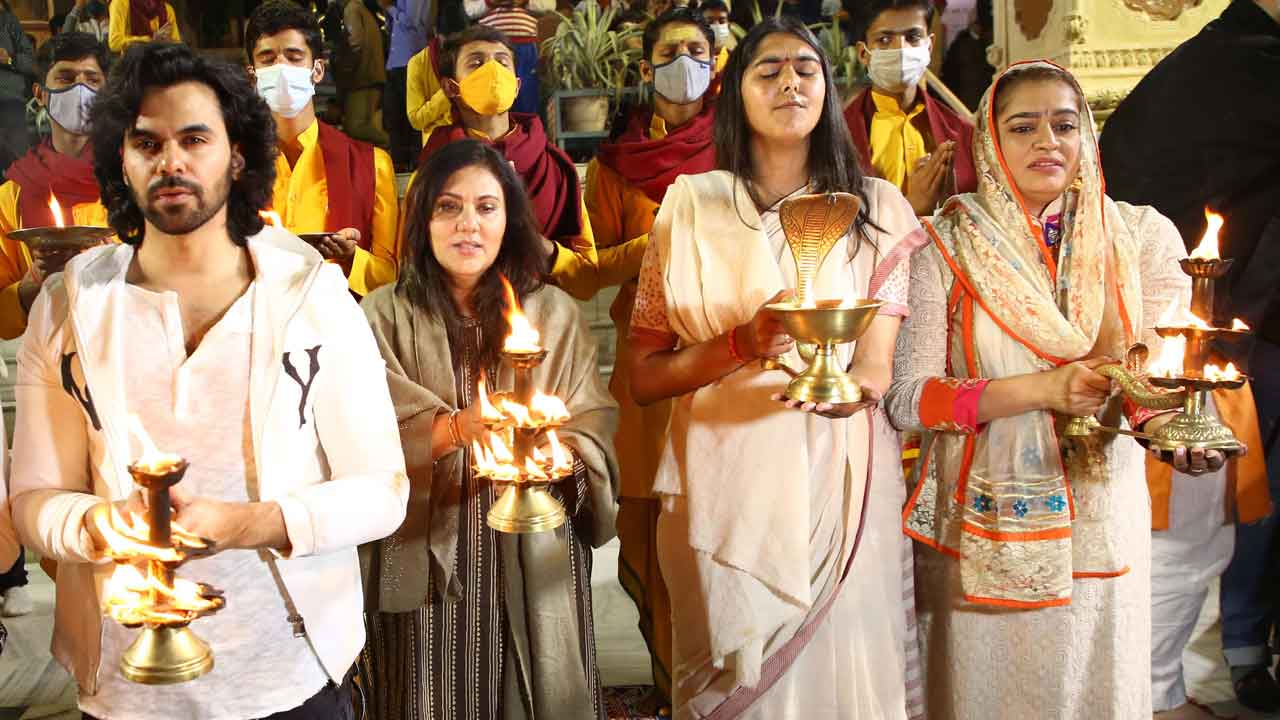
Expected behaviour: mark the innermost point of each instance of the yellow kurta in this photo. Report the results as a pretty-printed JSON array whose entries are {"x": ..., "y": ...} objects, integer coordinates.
[
  {"x": 425, "y": 102},
  {"x": 896, "y": 143},
  {"x": 15, "y": 258},
  {"x": 301, "y": 196},
  {"x": 574, "y": 269},
  {"x": 118, "y": 36}
]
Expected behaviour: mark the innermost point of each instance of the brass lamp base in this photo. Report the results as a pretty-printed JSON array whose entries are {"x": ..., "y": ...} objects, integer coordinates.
[
  {"x": 526, "y": 508},
  {"x": 1198, "y": 431},
  {"x": 823, "y": 381},
  {"x": 165, "y": 656}
]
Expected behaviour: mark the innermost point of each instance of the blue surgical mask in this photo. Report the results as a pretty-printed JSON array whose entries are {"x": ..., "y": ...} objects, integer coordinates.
[{"x": 286, "y": 88}]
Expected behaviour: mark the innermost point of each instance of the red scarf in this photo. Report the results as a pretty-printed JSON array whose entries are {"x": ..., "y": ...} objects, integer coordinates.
[
  {"x": 652, "y": 165},
  {"x": 549, "y": 175},
  {"x": 142, "y": 12},
  {"x": 348, "y": 165},
  {"x": 44, "y": 170},
  {"x": 944, "y": 125}
]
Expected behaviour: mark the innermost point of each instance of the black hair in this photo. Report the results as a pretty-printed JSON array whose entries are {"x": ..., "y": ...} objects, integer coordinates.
[
  {"x": 1033, "y": 73},
  {"x": 250, "y": 127},
  {"x": 424, "y": 282},
  {"x": 653, "y": 30},
  {"x": 709, "y": 5},
  {"x": 866, "y": 12},
  {"x": 275, "y": 16},
  {"x": 454, "y": 43},
  {"x": 55, "y": 24},
  {"x": 833, "y": 160},
  {"x": 69, "y": 46}
]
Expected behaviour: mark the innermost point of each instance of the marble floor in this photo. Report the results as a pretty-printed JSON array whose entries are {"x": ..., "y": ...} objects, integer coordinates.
[{"x": 33, "y": 687}]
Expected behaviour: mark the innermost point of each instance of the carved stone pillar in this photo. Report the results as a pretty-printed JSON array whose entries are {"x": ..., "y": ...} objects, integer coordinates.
[{"x": 1108, "y": 44}]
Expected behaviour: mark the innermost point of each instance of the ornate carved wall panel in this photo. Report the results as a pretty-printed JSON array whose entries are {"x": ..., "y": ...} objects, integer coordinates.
[{"x": 1108, "y": 44}]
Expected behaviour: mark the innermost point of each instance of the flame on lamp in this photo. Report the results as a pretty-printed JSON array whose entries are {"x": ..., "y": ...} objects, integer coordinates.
[
  {"x": 1208, "y": 247},
  {"x": 523, "y": 338},
  {"x": 1213, "y": 372},
  {"x": 1238, "y": 324},
  {"x": 152, "y": 459},
  {"x": 487, "y": 410},
  {"x": 272, "y": 218},
  {"x": 561, "y": 461},
  {"x": 547, "y": 409},
  {"x": 132, "y": 598},
  {"x": 56, "y": 209},
  {"x": 1178, "y": 316},
  {"x": 1169, "y": 362}
]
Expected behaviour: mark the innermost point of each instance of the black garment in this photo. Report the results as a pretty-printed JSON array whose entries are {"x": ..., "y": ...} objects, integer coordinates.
[
  {"x": 406, "y": 142},
  {"x": 15, "y": 576},
  {"x": 966, "y": 70},
  {"x": 333, "y": 702},
  {"x": 1203, "y": 129}
]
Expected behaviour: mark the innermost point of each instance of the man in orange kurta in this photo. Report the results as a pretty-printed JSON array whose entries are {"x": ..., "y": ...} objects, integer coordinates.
[{"x": 625, "y": 184}]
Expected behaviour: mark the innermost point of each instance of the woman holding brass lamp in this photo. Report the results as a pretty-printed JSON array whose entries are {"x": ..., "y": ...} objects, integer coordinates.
[
  {"x": 780, "y": 520},
  {"x": 463, "y": 621},
  {"x": 1033, "y": 555}
]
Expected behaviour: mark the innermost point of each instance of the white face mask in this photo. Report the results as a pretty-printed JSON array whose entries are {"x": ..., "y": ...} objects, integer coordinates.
[
  {"x": 893, "y": 70},
  {"x": 721, "y": 32},
  {"x": 682, "y": 80},
  {"x": 69, "y": 107},
  {"x": 286, "y": 88}
]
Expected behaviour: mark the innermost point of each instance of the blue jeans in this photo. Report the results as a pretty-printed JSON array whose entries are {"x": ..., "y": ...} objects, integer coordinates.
[{"x": 1248, "y": 594}]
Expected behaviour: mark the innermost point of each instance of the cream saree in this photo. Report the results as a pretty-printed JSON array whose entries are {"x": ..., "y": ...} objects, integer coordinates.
[
  {"x": 763, "y": 506},
  {"x": 1033, "y": 560}
]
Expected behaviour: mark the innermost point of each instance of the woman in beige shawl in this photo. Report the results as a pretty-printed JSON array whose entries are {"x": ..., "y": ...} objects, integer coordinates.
[
  {"x": 779, "y": 534},
  {"x": 1033, "y": 562},
  {"x": 464, "y": 622}
]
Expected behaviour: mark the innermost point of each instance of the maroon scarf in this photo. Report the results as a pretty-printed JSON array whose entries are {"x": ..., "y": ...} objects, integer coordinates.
[
  {"x": 142, "y": 12},
  {"x": 549, "y": 175},
  {"x": 44, "y": 170},
  {"x": 652, "y": 165},
  {"x": 943, "y": 125},
  {"x": 350, "y": 180}
]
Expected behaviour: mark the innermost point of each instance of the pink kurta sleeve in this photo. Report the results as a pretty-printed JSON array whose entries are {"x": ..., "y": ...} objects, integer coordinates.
[{"x": 649, "y": 322}]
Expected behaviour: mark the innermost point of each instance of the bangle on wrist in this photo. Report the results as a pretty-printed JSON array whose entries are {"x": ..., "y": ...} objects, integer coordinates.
[
  {"x": 454, "y": 433},
  {"x": 733, "y": 347}
]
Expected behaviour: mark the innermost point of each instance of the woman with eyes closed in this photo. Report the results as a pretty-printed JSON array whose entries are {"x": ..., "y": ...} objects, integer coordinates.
[
  {"x": 780, "y": 532},
  {"x": 464, "y": 622},
  {"x": 1033, "y": 551}
]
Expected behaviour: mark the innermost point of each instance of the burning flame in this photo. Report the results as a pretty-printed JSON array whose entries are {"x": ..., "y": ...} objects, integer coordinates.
[
  {"x": 56, "y": 209},
  {"x": 128, "y": 539},
  {"x": 548, "y": 409},
  {"x": 517, "y": 412},
  {"x": 1213, "y": 372},
  {"x": 272, "y": 218},
  {"x": 1169, "y": 363},
  {"x": 561, "y": 460},
  {"x": 1177, "y": 316},
  {"x": 152, "y": 459},
  {"x": 1238, "y": 324},
  {"x": 134, "y": 599},
  {"x": 487, "y": 411},
  {"x": 1208, "y": 247},
  {"x": 523, "y": 338}
]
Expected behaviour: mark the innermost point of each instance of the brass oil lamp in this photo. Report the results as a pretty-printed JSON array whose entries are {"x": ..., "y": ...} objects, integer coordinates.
[
  {"x": 144, "y": 592},
  {"x": 1183, "y": 375},
  {"x": 69, "y": 238},
  {"x": 516, "y": 422},
  {"x": 813, "y": 224}
]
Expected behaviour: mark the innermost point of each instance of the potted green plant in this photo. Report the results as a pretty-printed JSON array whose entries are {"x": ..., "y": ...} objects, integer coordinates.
[{"x": 586, "y": 54}]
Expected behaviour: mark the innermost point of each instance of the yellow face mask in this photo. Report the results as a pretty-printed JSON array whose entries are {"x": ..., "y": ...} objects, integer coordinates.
[{"x": 490, "y": 90}]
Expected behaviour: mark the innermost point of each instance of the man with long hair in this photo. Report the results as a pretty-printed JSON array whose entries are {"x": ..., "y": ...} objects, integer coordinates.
[
  {"x": 477, "y": 70},
  {"x": 325, "y": 180},
  {"x": 625, "y": 185},
  {"x": 236, "y": 347}
]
